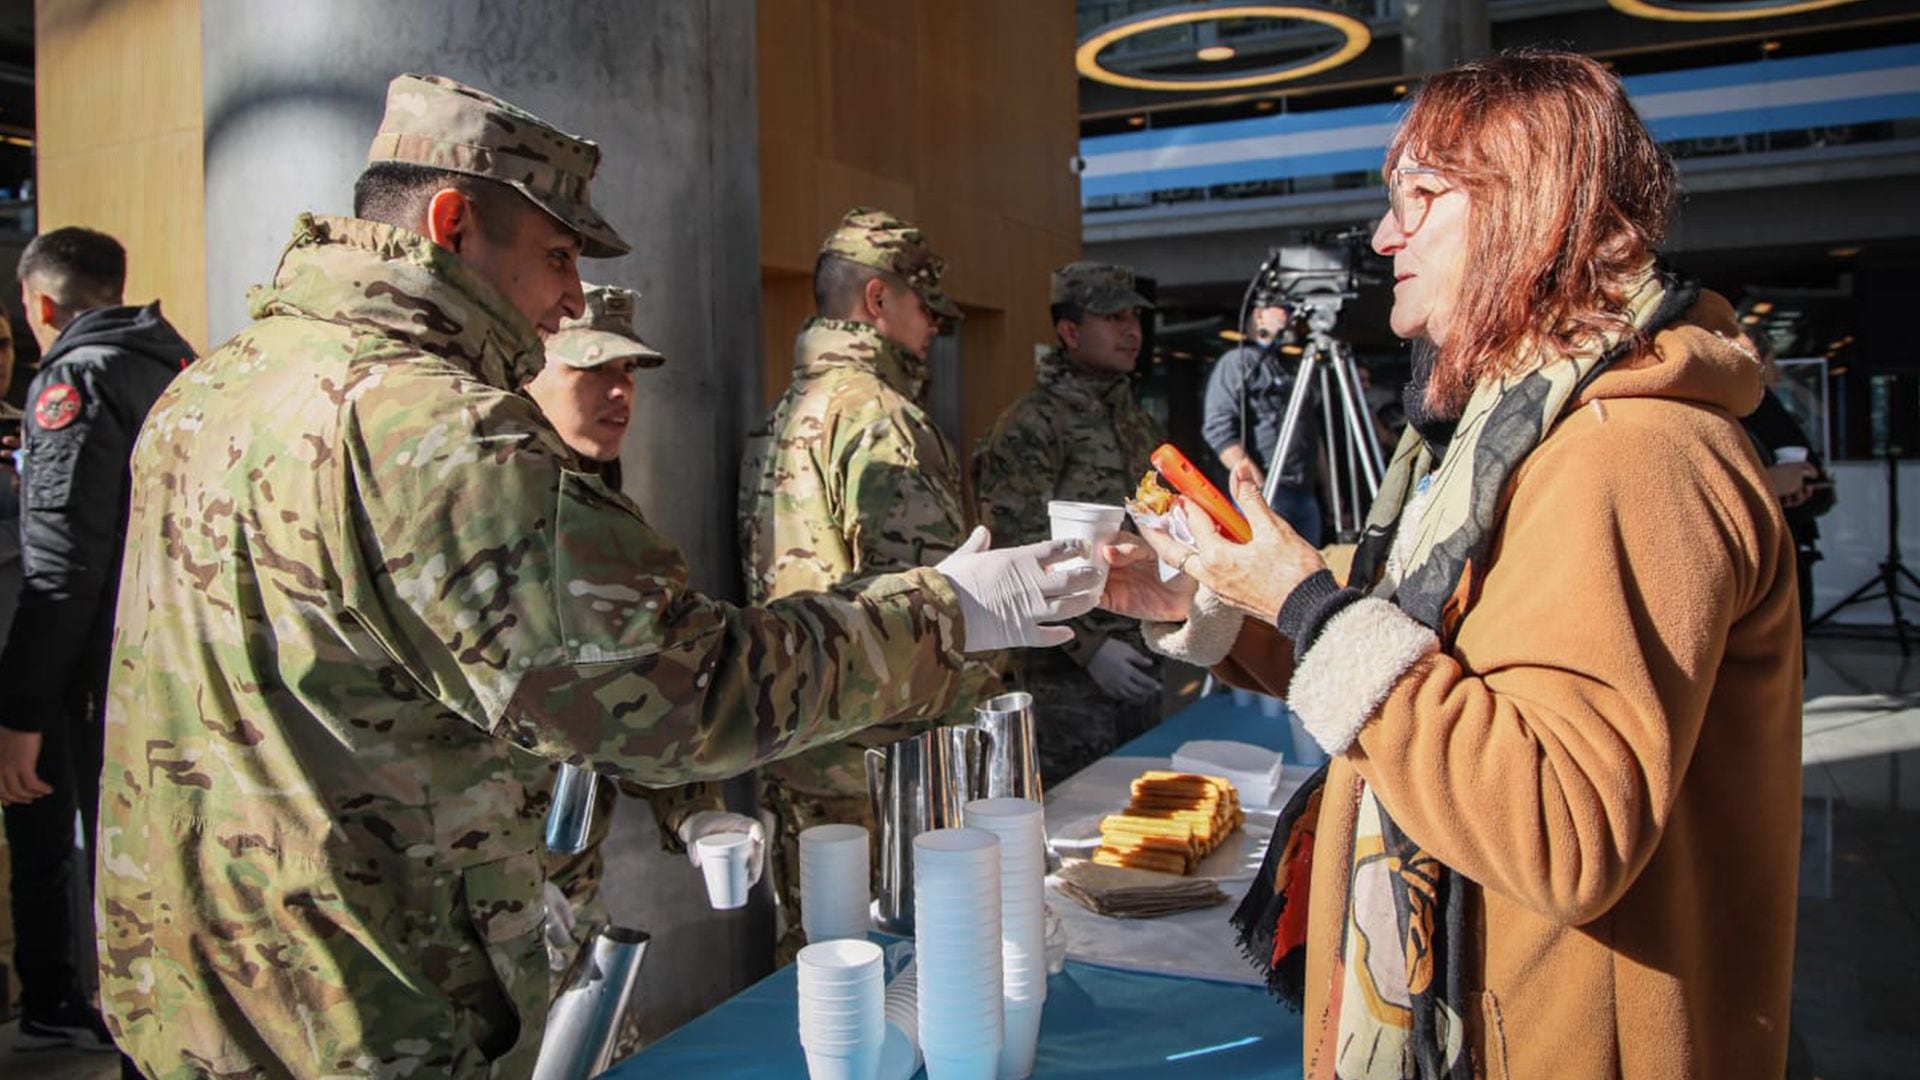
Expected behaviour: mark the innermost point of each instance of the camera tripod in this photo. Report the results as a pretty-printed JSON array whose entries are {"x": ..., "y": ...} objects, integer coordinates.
[
  {"x": 1893, "y": 571},
  {"x": 1354, "y": 457}
]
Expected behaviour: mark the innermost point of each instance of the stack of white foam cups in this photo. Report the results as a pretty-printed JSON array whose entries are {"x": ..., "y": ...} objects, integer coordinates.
[
  {"x": 956, "y": 919},
  {"x": 1021, "y": 826},
  {"x": 835, "y": 884},
  {"x": 842, "y": 1019}
]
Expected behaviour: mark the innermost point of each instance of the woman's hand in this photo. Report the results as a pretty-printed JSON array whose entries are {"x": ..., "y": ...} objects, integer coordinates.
[
  {"x": 1257, "y": 576},
  {"x": 1134, "y": 588}
]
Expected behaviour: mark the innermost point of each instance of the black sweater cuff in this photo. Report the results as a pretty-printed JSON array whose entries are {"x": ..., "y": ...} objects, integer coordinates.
[{"x": 1308, "y": 607}]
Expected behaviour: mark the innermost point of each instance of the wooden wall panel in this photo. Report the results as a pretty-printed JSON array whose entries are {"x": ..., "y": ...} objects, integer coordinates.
[
  {"x": 960, "y": 117},
  {"x": 119, "y": 126}
]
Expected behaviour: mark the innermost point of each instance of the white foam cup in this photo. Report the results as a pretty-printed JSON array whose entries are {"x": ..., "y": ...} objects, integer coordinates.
[
  {"x": 723, "y": 859},
  {"x": 1096, "y": 523}
]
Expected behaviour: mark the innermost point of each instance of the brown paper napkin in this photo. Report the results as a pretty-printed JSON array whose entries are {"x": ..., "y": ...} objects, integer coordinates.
[{"x": 1123, "y": 893}]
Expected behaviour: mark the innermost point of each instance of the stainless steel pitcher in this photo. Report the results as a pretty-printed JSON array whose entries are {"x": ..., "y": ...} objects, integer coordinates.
[
  {"x": 570, "y": 818},
  {"x": 1012, "y": 763},
  {"x": 583, "y": 1027},
  {"x": 918, "y": 784}
]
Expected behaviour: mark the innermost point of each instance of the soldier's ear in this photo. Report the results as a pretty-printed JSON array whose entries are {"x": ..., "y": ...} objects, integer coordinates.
[
  {"x": 873, "y": 297},
  {"x": 450, "y": 221},
  {"x": 1069, "y": 333}
]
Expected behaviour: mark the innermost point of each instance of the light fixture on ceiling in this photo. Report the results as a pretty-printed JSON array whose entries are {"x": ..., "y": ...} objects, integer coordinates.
[
  {"x": 1761, "y": 307},
  {"x": 1136, "y": 121},
  {"x": 1215, "y": 53},
  {"x": 1770, "y": 46},
  {"x": 1264, "y": 105},
  {"x": 1232, "y": 335},
  {"x": 1696, "y": 11},
  {"x": 1399, "y": 89},
  {"x": 1355, "y": 37},
  {"x": 1847, "y": 252},
  {"x": 1749, "y": 320}
]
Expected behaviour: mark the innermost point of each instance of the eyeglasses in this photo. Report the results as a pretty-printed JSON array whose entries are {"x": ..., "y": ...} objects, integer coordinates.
[{"x": 1410, "y": 215}]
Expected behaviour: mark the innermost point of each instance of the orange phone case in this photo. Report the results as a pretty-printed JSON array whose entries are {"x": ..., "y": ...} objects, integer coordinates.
[{"x": 1188, "y": 481}]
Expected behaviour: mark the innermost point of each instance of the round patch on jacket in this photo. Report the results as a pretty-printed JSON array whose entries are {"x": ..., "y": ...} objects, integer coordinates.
[{"x": 57, "y": 406}]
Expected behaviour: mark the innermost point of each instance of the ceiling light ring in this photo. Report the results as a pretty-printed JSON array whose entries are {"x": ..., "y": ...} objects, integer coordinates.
[
  {"x": 1691, "y": 11},
  {"x": 1354, "y": 33}
]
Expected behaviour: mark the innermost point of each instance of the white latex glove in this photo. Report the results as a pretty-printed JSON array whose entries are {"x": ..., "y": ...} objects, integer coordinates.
[
  {"x": 1006, "y": 595},
  {"x": 709, "y": 822},
  {"x": 1120, "y": 670}
]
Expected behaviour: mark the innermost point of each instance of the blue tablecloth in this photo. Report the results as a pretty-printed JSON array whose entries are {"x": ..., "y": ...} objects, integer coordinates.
[{"x": 1098, "y": 1021}]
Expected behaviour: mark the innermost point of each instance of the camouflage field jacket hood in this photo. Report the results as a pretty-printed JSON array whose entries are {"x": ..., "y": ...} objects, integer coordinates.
[
  {"x": 826, "y": 344},
  {"x": 366, "y": 591},
  {"x": 399, "y": 284}
]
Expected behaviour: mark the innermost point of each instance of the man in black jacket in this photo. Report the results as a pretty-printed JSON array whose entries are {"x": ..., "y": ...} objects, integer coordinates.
[{"x": 102, "y": 366}]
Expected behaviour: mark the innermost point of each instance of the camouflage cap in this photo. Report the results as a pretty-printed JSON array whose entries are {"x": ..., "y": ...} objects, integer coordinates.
[
  {"x": 1101, "y": 288},
  {"x": 434, "y": 121},
  {"x": 878, "y": 239},
  {"x": 604, "y": 333}
]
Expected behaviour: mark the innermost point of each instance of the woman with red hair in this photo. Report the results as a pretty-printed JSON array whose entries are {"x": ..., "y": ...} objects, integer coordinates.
[{"x": 1559, "y": 833}]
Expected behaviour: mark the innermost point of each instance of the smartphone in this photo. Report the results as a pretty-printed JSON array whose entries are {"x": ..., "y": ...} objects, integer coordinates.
[{"x": 1180, "y": 474}]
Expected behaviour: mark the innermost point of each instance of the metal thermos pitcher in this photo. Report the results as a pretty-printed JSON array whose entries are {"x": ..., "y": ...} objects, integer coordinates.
[
  {"x": 918, "y": 784},
  {"x": 583, "y": 1027},
  {"x": 1012, "y": 764},
  {"x": 570, "y": 818}
]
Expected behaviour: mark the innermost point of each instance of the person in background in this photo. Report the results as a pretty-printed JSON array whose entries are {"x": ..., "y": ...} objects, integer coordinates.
[
  {"x": 1245, "y": 405},
  {"x": 1796, "y": 471},
  {"x": 103, "y": 364},
  {"x": 848, "y": 477},
  {"x": 586, "y": 391},
  {"x": 1079, "y": 435},
  {"x": 1559, "y": 835}
]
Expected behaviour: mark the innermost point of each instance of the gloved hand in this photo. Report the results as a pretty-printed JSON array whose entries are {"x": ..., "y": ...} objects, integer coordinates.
[
  {"x": 1006, "y": 595},
  {"x": 1120, "y": 670},
  {"x": 708, "y": 822}
]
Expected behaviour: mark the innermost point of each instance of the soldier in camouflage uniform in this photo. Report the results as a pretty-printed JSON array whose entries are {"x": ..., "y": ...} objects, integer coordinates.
[
  {"x": 365, "y": 580},
  {"x": 848, "y": 477},
  {"x": 586, "y": 391},
  {"x": 1080, "y": 436}
]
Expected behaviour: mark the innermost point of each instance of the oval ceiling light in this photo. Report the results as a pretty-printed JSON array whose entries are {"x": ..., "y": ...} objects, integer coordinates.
[
  {"x": 1355, "y": 37},
  {"x": 1213, "y": 53},
  {"x": 1694, "y": 11}
]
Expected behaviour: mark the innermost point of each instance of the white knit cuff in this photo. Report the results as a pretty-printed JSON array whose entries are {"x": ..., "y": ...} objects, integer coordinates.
[
  {"x": 1204, "y": 639},
  {"x": 1352, "y": 666}
]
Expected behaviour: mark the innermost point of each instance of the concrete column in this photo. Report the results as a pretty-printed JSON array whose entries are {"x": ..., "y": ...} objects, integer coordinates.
[
  {"x": 1438, "y": 34},
  {"x": 293, "y": 93}
]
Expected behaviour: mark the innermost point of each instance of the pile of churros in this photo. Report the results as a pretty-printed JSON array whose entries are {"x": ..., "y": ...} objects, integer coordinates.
[{"x": 1173, "y": 821}]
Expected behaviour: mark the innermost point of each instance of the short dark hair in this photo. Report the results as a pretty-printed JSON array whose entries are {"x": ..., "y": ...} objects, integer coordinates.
[
  {"x": 79, "y": 268},
  {"x": 838, "y": 283},
  {"x": 397, "y": 193},
  {"x": 1068, "y": 310}
]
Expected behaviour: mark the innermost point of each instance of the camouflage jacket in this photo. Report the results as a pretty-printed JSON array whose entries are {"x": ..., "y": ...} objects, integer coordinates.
[
  {"x": 1077, "y": 435},
  {"x": 848, "y": 478},
  {"x": 363, "y": 582}
]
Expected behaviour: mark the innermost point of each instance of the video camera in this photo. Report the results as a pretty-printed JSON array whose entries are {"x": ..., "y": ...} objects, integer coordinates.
[{"x": 1312, "y": 279}]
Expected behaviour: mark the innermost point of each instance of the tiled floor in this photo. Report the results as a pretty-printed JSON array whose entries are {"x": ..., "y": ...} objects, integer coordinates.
[
  {"x": 1855, "y": 998},
  {"x": 1857, "y": 969}
]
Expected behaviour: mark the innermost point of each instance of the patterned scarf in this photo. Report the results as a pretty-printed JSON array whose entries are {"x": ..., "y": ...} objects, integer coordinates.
[{"x": 1398, "y": 993}]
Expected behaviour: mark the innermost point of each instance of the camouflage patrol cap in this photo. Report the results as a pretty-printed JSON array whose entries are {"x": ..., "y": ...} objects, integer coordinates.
[
  {"x": 1101, "y": 288},
  {"x": 434, "y": 121},
  {"x": 878, "y": 239},
  {"x": 604, "y": 333}
]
